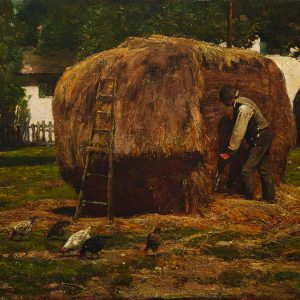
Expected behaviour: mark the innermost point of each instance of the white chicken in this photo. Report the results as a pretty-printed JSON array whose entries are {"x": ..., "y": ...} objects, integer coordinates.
[
  {"x": 76, "y": 240},
  {"x": 22, "y": 228}
]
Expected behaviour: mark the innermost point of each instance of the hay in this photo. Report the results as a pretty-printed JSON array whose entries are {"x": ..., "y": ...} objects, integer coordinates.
[{"x": 170, "y": 125}]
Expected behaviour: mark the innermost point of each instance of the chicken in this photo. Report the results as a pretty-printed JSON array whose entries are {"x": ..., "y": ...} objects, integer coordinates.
[
  {"x": 93, "y": 245},
  {"x": 153, "y": 241},
  {"x": 58, "y": 229},
  {"x": 22, "y": 228},
  {"x": 76, "y": 240}
]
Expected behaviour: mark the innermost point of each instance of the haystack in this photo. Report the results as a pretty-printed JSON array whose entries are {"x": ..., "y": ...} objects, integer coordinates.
[
  {"x": 170, "y": 125},
  {"x": 296, "y": 110}
]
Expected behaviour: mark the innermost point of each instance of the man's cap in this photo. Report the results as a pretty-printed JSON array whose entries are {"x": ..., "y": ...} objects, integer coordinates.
[{"x": 227, "y": 92}]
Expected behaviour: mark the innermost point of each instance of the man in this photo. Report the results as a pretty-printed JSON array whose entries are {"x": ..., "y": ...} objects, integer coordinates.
[{"x": 249, "y": 123}]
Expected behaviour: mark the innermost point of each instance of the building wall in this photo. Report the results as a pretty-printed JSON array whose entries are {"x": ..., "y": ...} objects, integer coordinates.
[
  {"x": 40, "y": 108},
  {"x": 290, "y": 67}
]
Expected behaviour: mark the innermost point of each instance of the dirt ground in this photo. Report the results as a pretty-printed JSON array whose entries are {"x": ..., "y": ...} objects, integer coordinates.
[{"x": 238, "y": 250}]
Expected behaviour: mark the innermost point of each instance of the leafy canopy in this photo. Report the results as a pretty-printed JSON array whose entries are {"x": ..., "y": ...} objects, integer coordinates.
[{"x": 10, "y": 63}]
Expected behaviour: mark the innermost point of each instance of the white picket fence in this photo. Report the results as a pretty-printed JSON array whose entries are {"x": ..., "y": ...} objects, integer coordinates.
[{"x": 35, "y": 134}]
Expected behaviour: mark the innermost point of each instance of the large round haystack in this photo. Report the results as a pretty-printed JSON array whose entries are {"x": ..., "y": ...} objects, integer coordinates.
[
  {"x": 170, "y": 125},
  {"x": 296, "y": 110}
]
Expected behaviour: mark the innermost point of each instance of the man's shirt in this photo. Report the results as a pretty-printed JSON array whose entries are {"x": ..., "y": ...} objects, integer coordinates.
[{"x": 245, "y": 113}]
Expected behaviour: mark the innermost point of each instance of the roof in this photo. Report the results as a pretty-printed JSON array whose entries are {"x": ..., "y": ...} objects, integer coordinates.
[{"x": 54, "y": 63}]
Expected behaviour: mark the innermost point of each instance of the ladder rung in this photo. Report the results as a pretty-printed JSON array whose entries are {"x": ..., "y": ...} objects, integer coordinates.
[
  {"x": 99, "y": 149},
  {"x": 96, "y": 174},
  {"x": 106, "y": 95},
  {"x": 94, "y": 202},
  {"x": 104, "y": 112},
  {"x": 99, "y": 130},
  {"x": 108, "y": 78}
]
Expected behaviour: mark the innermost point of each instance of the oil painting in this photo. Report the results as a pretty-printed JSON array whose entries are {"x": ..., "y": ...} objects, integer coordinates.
[{"x": 149, "y": 149}]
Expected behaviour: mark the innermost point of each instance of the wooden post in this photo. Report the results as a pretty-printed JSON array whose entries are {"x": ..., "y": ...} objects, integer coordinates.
[
  {"x": 33, "y": 133},
  {"x": 18, "y": 134},
  {"x": 229, "y": 25},
  {"x": 50, "y": 132},
  {"x": 43, "y": 129},
  {"x": 26, "y": 133},
  {"x": 38, "y": 132}
]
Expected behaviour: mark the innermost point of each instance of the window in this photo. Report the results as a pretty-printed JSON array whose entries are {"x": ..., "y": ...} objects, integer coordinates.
[{"x": 45, "y": 90}]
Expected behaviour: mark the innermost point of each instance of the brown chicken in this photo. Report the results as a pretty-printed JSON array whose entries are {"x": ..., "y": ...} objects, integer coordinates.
[{"x": 153, "y": 241}]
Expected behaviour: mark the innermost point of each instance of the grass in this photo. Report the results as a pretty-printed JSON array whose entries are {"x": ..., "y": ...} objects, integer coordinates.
[
  {"x": 35, "y": 241},
  {"x": 292, "y": 172},
  {"x": 30, "y": 173},
  {"x": 288, "y": 246},
  {"x": 179, "y": 233},
  {"x": 231, "y": 278},
  {"x": 224, "y": 252},
  {"x": 122, "y": 240},
  {"x": 30, "y": 277},
  {"x": 213, "y": 237}
]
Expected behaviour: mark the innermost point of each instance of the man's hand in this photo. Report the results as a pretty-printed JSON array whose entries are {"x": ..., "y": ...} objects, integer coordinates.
[{"x": 224, "y": 155}]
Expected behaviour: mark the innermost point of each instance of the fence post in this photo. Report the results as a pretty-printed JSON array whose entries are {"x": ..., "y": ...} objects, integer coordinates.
[
  {"x": 26, "y": 133},
  {"x": 33, "y": 132},
  {"x": 38, "y": 132},
  {"x": 18, "y": 134},
  {"x": 43, "y": 128},
  {"x": 50, "y": 132}
]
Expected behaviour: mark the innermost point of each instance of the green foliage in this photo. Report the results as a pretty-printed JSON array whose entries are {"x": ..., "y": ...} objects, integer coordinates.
[
  {"x": 28, "y": 174},
  {"x": 292, "y": 172},
  {"x": 90, "y": 26},
  {"x": 10, "y": 63}
]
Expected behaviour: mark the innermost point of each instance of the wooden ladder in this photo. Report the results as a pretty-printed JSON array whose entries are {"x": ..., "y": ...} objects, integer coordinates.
[{"x": 101, "y": 141}]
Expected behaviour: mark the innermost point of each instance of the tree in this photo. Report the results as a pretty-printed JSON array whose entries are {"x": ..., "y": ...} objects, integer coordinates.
[
  {"x": 275, "y": 21},
  {"x": 10, "y": 63},
  {"x": 89, "y": 26}
]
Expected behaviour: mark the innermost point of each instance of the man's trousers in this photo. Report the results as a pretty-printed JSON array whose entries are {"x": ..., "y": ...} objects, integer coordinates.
[{"x": 258, "y": 159}]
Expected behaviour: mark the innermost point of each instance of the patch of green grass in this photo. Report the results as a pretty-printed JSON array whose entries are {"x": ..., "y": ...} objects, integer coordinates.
[
  {"x": 214, "y": 237},
  {"x": 179, "y": 233},
  {"x": 292, "y": 171},
  {"x": 289, "y": 244},
  {"x": 232, "y": 278},
  {"x": 179, "y": 252},
  {"x": 36, "y": 241},
  {"x": 122, "y": 240},
  {"x": 224, "y": 252},
  {"x": 286, "y": 275},
  {"x": 30, "y": 277},
  {"x": 30, "y": 173}
]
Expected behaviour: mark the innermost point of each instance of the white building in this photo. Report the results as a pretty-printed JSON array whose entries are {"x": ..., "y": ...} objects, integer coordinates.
[{"x": 40, "y": 77}]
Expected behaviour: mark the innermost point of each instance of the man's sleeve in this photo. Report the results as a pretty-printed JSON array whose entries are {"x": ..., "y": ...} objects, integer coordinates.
[{"x": 244, "y": 115}]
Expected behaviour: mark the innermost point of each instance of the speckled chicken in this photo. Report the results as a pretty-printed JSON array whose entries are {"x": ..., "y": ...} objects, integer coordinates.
[
  {"x": 153, "y": 241},
  {"x": 22, "y": 228},
  {"x": 58, "y": 229},
  {"x": 93, "y": 245},
  {"x": 76, "y": 240}
]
